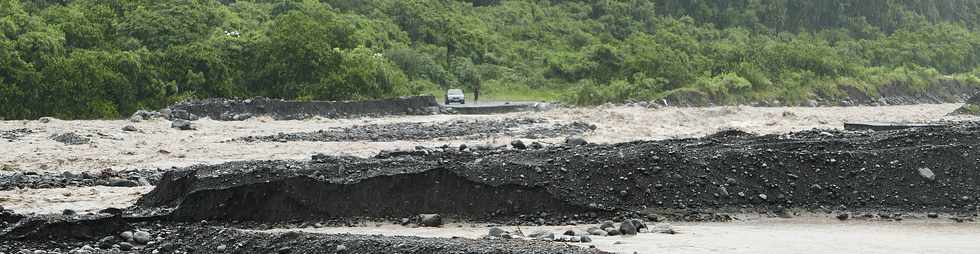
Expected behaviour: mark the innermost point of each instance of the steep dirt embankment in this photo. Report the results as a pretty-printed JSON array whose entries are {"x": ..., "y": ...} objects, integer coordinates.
[
  {"x": 972, "y": 107},
  {"x": 942, "y": 91},
  {"x": 904, "y": 170}
]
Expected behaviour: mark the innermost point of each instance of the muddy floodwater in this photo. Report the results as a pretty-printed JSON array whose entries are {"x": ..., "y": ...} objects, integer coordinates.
[
  {"x": 760, "y": 235},
  {"x": 155, "y": 145},
  {"x": 907, "y": 191}
]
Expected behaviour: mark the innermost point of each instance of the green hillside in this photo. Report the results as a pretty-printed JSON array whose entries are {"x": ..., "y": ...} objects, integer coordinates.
[{"x": 108, "y": 58}]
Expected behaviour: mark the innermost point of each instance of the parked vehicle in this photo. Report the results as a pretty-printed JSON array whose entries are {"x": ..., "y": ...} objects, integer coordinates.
[{"x": 455, "y": 95}]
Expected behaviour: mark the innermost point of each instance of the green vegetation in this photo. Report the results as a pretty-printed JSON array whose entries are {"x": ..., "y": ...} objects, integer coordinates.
[{"x": 108, "y": 58}]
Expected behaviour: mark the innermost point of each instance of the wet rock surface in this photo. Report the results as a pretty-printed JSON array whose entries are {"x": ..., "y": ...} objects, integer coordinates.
[
  {"x": 519, "y": 127},
  {"x": 63, "y": 227},
  {"x": 71, "y": 138},
  {"x": 183, "y": 125},
  {"x": 811, "y": 170},
  {"x": 237, "y": 110},
  {"x": 200, "y": 238},
  {"x": 143, "y": 115},
  {"x": 15, "y": 134}
]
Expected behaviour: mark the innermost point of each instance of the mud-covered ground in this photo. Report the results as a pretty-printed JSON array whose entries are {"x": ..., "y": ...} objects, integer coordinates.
[{"x": 259, "y": 174}]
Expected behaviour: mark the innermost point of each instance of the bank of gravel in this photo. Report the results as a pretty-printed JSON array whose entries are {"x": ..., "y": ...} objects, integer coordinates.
[
  {"x": 237, "y": 110},
  {"x": 123, "y": 178},
  {"x": 203, "y": 238},
  {"x": 15, "y": 134},
  {"x": 857, "y": 174},
  {"x": 528, "y": 128},
  {"x": 904, "y": 170}
]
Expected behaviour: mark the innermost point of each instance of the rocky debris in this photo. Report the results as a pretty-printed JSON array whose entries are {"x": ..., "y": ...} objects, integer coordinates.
[
  {"x": 613, "y": 231},
  {"x": 182, "y": 115},
  {"x": 15, "y": 134},
  {"x": 542, "y": 235},
  {"x": 430, "y": 220},
  {"x": 627, "y": 228},
  {"x": 8, "y": 217},
  {"x": 61, "y": 227},
  {"x": 183, "y": 125},
  {"x": 843, "y": 216},
  {"x": 182, "y": 238},
  {"x": 141, "y": 237},
  {"x": 116, "y": 182},
  {"x": 662, "y": 228},
  {"x": 107, "y": 242},
  {"x": 47, "y": 119},
  {"x": 496, "y": 232},
  {"x": 575, "y": 232},
  {"x": 126, "y": 178},
  {"x": 638, "y": 224},
  {"x": 507, "y": 107},
  {"x": 568, "y": 239},
  {"x": 126, "y": 236},
  {"x": 597, "y": 232},
  {"x": 575, "y": 141},
  {"x": 518, "y": 144},
  {"x": 927, "y": 174},
  {"x": 236, "y": 110},
  {"x": 129, "y": 128},
  {"x": 474, "y": 129},
  {"x": 228, "y": 116},
  {"x": 143, "y": 115},
  {"x": 535, "y": 145},
  {"x": 70, "y": 138},
  {"x": 607, "y": 224},
  {"x": 806, "y": 170}
]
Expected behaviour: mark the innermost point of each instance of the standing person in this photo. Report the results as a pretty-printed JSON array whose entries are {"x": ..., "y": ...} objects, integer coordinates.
[{"x": 476, "y": 94}]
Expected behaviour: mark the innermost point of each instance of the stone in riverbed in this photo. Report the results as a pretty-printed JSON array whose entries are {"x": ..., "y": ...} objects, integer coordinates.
[
  {"x": 496, "y": 232},
  {"x": 518, "y": 144},
  {"x": 927, "y": 174},
  {"x": 183, "y": 125},
  {"x": 627, "y": 228},
  {"x": 430, "y": 220},
  {"x": 575, "y": 141},
  {"x": 141, "y": 237},
  {"x": 597, "y": 231}
]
